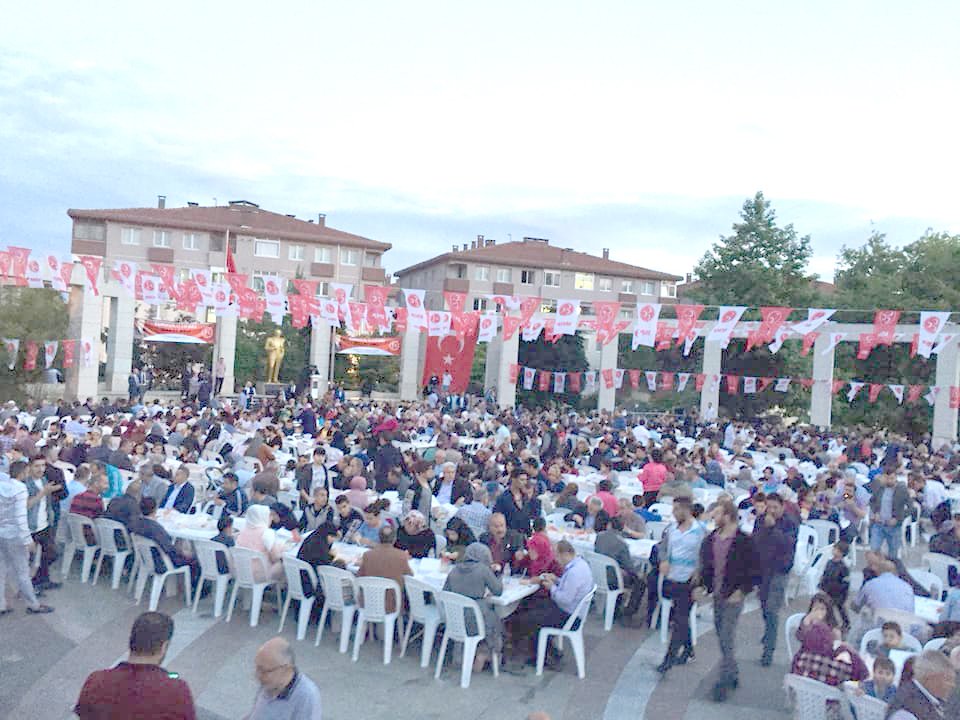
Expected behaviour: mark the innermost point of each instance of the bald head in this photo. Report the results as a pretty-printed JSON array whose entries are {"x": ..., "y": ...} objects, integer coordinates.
[{"x": 275, "y": 665}]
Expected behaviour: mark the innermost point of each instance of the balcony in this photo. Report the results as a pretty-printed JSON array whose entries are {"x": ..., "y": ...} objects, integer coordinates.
[
  {"x": 456, "y": 285},
  {"x": 89, "y": 247},
  {"x": 372, "y": 274},
  {"x": 160, "y": 254},
  {"x": 501, "y": 288},
  {"x": 628, "y": 298},
  {"x": 322, "y": 270}
]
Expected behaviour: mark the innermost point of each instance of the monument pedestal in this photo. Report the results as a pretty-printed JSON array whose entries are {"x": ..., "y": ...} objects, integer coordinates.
[{"x": 270, "y": 389}]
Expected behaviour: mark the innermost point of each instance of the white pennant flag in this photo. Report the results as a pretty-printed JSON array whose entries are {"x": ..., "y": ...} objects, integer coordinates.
[
  {"x": 726, "y": 322},
  {"x": 897, "y": 391},
  {"x": 589, "y": 382},
  {"x": 835, "y": 339},
  {"x": 220, "y": 299},
  {"x": 34, "y": 272},
  {"x": 50, "y": 352},
  {"x": 618, "y": 378},
  {"x": 783, "y": 384},
  {"x": 749, "y": 385},
  {"x": 528, "y": 375},
  {"x": 568, "y": 313},
  {"x": 559, "y": 381},
  {"x": 931, "y": 325},
  {"x": 53, "y": 268},
  {"x": 204, "y": 281},
  {"x": 438, "y": 323},
  {"x": 651, "y": 377},
  {"x": 855, "y": 386},
  {"x": 330, "y": 312},
  {"x": 931, "y": 396},
  {"x": 416, "y": 314},
  {"x": 87, "y": 347},
  {"x": 340, "y": 292},
  {"x": 150, "y": 287},
  {"x": 815, "y": 318},
  {"x": 645, "y": 326},
  {"x": 688, "y": 342},
  {"x": 274, "y": 290},
  {"x": 125, "y": 273},
  {"x": 943, "y": 341},
  {"x": 12, "y": 346},
  {"x": 782, "y": 334},
  {"x": 682, "y": 380},
  {"x": 531, "y": 331},
  {"x": 488, "y": 327}
]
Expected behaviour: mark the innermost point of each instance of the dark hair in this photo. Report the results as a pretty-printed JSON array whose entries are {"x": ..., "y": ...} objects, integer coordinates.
[
  {"x": 775, "y": 496},
  {"x": 656, "y": 455},
  {"x": 17, "y": 469},
  {"x": 601, "y": 521},
  {"x": 539, "y": 524},
  {"x": 262, "y": 487},
  {"x": 468, "y": 496},
  {"x": 230, "y": 476},
  {"x": 149, "y": 632},
  {"x": 843, "y": 546},
  {"x": 616, "y": 523},
  {"x": 147, "y": 506},
  {"x": 225, "y": 521},
  {"x": 603, "y": 486},
  {"x": 684, "y": 501},
  {"x": 890, "y": 625},
  {"x": 696, "y": 509},
  {"x": 637, "y": 501},
  {"x": 884, "y": 663}
]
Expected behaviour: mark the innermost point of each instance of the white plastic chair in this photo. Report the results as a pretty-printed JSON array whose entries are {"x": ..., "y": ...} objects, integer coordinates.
[
  {"x": 78, "y": 543},
  {"x": 295, "y": 591},
  {"x": 656, "y": 528},
  {"x": 663, "y": 509},
  {"x": 567, "y": 632},
  {"x": 810, "y": 697},
  {"x": 245, "y": 576},
  {"x": 334, "y": 580},
  {"x": 107, "y": 531},
  {"x": 455, "y": 609},
  {"x": 149, "y": 553},
  {"x": 866, "y": 707},
  {"x": 929, "y": 581},
  {"x": 940, "y": 564},
  {"x": 207, "y": 551},
  {"x": 428, "y": 615},
  {"x": 876, "y": 635},
  {"x": 557, "y": 519},
  {"x": 934, "y": 644},
  {"x": 374, "y": 591},
  {"x": 811, "y": 578},
  {"x": 439, "y": 544},
  {"x": 600, "y": 565},
  {"x": 790, "y": 631},
  {"x": 910, "y": 530},
  {"x": 827, "y": 532},
  {"x": 213, "y": 510},
  {"x": 664, "y": 606}
]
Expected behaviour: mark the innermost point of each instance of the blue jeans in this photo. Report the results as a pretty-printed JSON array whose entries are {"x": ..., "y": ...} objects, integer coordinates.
[
  {"x": 880, "y": 533},
  {"x": 772, "y": 593}
]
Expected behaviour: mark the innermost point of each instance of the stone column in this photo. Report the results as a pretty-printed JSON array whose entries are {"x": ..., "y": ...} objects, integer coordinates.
[
  {"x": 509, "y": 355},
  {"x": 948, "y": 375},
  {"x": 821, "y": 394},
  {"x": 225, "y": 346},
  {"x": 491, "y": 370},
  {"x": 86, "y": 314},
  {"x": 321, "y": 336},
  {"x": 120, "y": 338},
  {"x": 607, "y": 397},
  {"x": 410, "y": 354},
  {"x": 710, "y": 393}
]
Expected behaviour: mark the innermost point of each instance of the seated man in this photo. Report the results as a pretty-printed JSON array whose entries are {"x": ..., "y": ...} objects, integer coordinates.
[
  {"x": 387, "y": 561},
  {"x": 260, "y": 494},
  {"x": 886, "y": 591},
  {"x": 948, "y": 541},
  {"x": 89, "y": 503},
  {"x": 125, "y": 508},
  {"x": 503, "y": 543},
  {"x": 232, "y": 498},
  {"x": 147, "y": 526},
  {"x": 554, "y": 609},
  {"x": 610, "y": 542},
  {"x": 180, "y": 495}
]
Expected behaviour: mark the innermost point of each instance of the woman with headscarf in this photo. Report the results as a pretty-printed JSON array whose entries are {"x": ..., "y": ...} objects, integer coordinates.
[
  {"x": 357, "y": 494},
  {"x": 459, "y": 536},
  {"x": 822, "y": 655},
  {"x": 538, "y": 557},
  {"x": 414, "y": 536},
  {"x": 473, "y": 577},
  {"x": 257, "y": 535}
]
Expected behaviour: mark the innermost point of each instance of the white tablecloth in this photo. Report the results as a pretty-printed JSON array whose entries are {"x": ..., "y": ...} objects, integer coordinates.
[{"x": 639, "y": 549}]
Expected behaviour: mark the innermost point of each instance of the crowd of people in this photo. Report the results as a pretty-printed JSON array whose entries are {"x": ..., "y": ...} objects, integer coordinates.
[{"x": 768, "y": 478}]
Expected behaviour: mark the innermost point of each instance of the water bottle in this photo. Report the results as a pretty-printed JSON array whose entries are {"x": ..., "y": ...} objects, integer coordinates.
[{"x": 506, "y": 571}]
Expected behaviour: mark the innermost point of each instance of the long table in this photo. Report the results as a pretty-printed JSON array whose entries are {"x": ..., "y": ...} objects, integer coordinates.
[{"x": 583, "y": 541}]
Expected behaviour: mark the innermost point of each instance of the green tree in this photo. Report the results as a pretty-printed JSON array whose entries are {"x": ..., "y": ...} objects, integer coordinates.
[
  {"x": 565, "y": 355},
  {"x": 29, "y": 314}
]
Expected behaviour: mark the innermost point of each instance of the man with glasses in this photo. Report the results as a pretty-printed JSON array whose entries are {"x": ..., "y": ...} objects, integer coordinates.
[{"x": 285, "y": 693}]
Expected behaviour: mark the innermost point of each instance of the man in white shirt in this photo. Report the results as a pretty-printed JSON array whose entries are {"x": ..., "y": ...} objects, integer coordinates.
[{"x": 641, "y": 434}]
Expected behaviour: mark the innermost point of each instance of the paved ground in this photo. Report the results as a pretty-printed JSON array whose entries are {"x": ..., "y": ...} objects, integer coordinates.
[{"x": 44, "y": 659}]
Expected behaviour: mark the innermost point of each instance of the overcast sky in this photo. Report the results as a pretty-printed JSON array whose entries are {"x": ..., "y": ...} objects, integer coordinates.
[{"x": 635, "y": 125}]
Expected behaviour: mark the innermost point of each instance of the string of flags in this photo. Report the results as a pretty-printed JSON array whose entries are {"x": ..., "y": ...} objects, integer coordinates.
[
  {"x": 46, "y": 351},
  {"x": 587, "y": 381}
]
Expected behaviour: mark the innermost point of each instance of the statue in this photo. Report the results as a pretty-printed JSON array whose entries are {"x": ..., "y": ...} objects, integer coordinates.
[{"x": 276, "y": 348}]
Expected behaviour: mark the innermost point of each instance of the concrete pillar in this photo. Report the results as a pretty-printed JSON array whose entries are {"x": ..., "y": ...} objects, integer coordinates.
[
  {"x": 509, "y": 355},
  {"x": 710, "y": 393},
  {"x": 948, "y": 375},
  {"x": 821, "y": 394},
  {"x": 607, "y": 397},
  {"x": 410, "y": 364},
  {"x": 491, "y": 369},
  {"x": 86, "y": 312},
  {"x": 120, "y": 340},
  {"x": 320, "y": 338},
  {"x": 225, "y": 346}
]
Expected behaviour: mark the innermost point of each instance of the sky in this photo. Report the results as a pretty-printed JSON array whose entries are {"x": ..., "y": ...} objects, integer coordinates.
[{"x": 637, "y": 126}]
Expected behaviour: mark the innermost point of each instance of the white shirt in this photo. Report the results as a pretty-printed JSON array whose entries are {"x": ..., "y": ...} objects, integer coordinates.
[
  {"x": 173, "y": 496},
  {"x": 641, "y": 434},
  {"x": 933, "y": 494}
]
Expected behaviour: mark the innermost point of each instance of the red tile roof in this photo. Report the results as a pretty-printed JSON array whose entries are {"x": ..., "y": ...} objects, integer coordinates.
[
  {"x": 542, "y": 255},
  {"x": 237, "y": 219}
]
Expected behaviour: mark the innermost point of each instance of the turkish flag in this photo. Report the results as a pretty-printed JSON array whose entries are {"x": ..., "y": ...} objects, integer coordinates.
[
  {"x": 573, "y": 381},
  {"x": 451, "y": 354},
  {"x": 884, "y": 325},
  {"x": 69, "y": 348}
]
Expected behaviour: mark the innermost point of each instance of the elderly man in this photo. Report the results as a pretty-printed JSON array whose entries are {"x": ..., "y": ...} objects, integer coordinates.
[
  {"x": 475, "y": 512},
  {"x": 386, "y": 561},
  {"x": 887, "y": 590},
  {"x": 285, "y": 693},
  {"x": 450, "y": 489},
  {"x": 180, "y": 495},
  {"x": 934, "y": 681},
  {"x": 503, "y": 543}
]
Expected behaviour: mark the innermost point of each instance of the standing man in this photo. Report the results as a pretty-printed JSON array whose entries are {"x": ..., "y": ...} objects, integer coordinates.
[
  {"x": 775, "y": 544},
  {"x": 680, "y": 553},
  {"x": 284, "y": 691},
  {"x": 139, "y": 688},
  {"x": 889, "y": 507},
  {"x": 133, "y": 386},
  {"x": 219, "y": 373},
  {"x": 42, "y": 503},
  {"x": 15, "y": 543},
  {"x": 726, "y": 562}
]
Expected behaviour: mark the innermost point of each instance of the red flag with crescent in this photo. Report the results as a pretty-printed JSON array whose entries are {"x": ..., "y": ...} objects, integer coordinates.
[
  {"x": 510, "y": 326},
  {"x": 528, "y": 306},
  {"x": 452, "y": 354},
  {"x": 687, "y": 316}
]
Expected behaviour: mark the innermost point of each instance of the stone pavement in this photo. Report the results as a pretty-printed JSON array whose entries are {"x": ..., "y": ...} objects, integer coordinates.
[{"x": 44, "y": 660}]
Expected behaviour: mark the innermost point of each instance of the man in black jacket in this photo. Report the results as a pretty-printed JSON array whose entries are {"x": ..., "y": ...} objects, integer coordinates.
[
  {"x": 386, "y": 458},
  {"x": 726, "y": 568},
  {"x": 503, "y": 543},
  {"x": 775, "y": 544}
]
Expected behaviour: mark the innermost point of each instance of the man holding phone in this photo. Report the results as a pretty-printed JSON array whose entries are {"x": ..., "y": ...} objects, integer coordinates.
[{"x": 42, "y": 514}]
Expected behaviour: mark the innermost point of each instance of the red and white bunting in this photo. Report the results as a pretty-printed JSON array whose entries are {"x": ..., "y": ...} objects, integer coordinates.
[
  {"x": 574, "y": 381},
  {"x": 749, "y": 385},
  {"x": 645, "y": 325},
  {"x": 931, "y": 325},
  {"x": 607, "y": 376},
  {"x": 488, "y": 327},
  {"x": 835, "y": 339},
  {"x": 782, "y": 384},
  {"x": 528, "y": 375},
  {"x": 34, "y": 272},
  {"x": 855, "y": 386},
  {"x": 729, "y": 316},
  {"x": 944, "y": 340},
  {"x": 534, "y": 326},
  {"x": 559, "y": 382},
  {"x": 12, "y": 346},
  {"x": 931, "y": 396},
  {"x": 49, "y": 353},
  {"x": 815, "y": 318},
  {"x": 275, "y": 293},
  {"x": 682, "y": 380},
  {"x": 897, "y": 391},
  {"x": 618, "y": 378},
  {"x": 651, "y": 377},
  {"x": 91, "y": 266},
  {"x": 86, "y": 347},
  {"x": 568, "y": 314},
  {"x": 884, "y": 325}
]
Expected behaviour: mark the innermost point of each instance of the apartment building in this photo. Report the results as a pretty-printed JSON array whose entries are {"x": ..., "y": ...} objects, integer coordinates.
[{"x": 262, "y": 242}]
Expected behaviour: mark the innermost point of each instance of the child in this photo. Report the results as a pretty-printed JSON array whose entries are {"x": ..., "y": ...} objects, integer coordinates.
[
  {"x": 836, "y": 580},
  {"x": 892, "y": 640},
  {"x": 881, "y": 686}
]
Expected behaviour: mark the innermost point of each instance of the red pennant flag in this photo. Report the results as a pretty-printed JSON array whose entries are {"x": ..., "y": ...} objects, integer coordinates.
[
  {"x": 914, "y": 345},
  {"x": 528, "y": 306},
  {"x": 808, "y": 340},
  {"x": 306, "y": 287},
  {"x": 884, "y": 326},
  {"x": 6, "y": 264},
  {"x": 634, "y": 378},
  {"x": 91, "y": 264},
  {"x": 771, "y": 320},
  {"x": 400, "y": 318},
  {"x": 514, "y": 373},
  {"x": 188, "y": 296},
  {"x": 874, "y": 392},
  {"x": 763, "y": 383},
  {"x": 837, "y": 384},
  {"x": 19, "y": 257},
  {"x": 913, "y": 393},
  {"x": 238, "y": 283},
  {"x": 166, "y": 274},
  {"x": 69, "y": 348},
  {"x": 456, "y": 301},
  {"x": 698, "y": 381},
  {"x": 687, "y": 316},
  {"x": 807, "y": 383},
  {"x": 954, "y": 396},
  {"x": 544, "y": 380},
  {"x": 666, "y": 381},
  {"x": 868, "y": 341},
  {"x": 376, "y": 298},
  {"x": 299, "y": 310},
  {"x": 607, "y": 378},
  {"x": 573, "y": 381},
  {"x": 30, "y": 361},
  {"x": 606, "y": 312},
  {"x": 510, "y": 325},
  {"x": 733, "y": 384},
  {"x": 664, "y": 337}
]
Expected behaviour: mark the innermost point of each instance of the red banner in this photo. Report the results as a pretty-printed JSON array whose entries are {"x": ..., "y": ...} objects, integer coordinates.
[
  {"x": 514, "y": 373},
  {"x": 456, "y": 301},
  {"x": 299, "y": 310},
  {"x": 763, "y": 383},
  {"x": 687, "y": 316},
  {"x": 69, "y": 348},
  {"x": 30, "y": 360},
  {"x": 18, "y": 263},
  {"x": 347, "y": 345},
  {"x": 573, "y": 382},
  {"x": 954, "y": 397},
  {"x": 607, "y": 375},
  {"x": 874, "y": 392},
  {"x": 733, "y": 384},
  {"x": 451, "y": 355},
  {"x": 528, "y": 306},
  {"x": 510, "y": 325},
  {"x": 772, "y": 319},
  {"x": 913, "y": 393},
  {"x": 666, "y": 381},
  {"x": 634, "y": 378},
  {"x": 808, "y": 340},
  {"x": 91, "y": 264},
  {"x": 836, "y": 385},
  {"x": 543, "y": 378},
  {"x": 157, "y": 331},
  {"x": 884, "y": 325},
  {"x": 305, "y": 287},
  {"x": 868, "y": 341}
]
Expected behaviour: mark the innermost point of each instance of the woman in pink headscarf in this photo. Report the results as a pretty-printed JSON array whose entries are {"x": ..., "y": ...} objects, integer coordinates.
[
  {"x": 357, "y": 494},
  {"x": 538, "y": 557}
]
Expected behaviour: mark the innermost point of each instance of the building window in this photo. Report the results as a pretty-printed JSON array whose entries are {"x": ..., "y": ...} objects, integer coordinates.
[
  {"x": 647, "y": 287},
  {"x": 191, "y": 241},
  {"x": 551, "y": 278},
  {"x": 130, "y": 236},
  {"x": 458, "y": 272},
  {"x": 295, "y": 252},
  {"x": 528, "y": 277},
  {"x": 323, "y": 255},
  {"x": 583, "y": 281},
  {"x": 480, "y": 304},
  {"x": 258, "y": 277},
  {"x": 266, "y": 248},
  {"x": 371, "y": 260},
  {"x": 216, "y": 242},
  {"x": 90, "y": 231},
  {"x": 323, "y": 288},
  {"x": 481, "y": 272},
  {"x": 504, "y": 275},
  {"x": 161, "y": 238},
  {"x": 605, "y": 285},
  {"x": 669, "y": 289},
  {"x": 548, "y": 306},
  {"x": 626, "y": 314},
  {"x": 349, "y": 257},
  {"x": 626, "y": 286},
  {"x": 183, "y": 274}
]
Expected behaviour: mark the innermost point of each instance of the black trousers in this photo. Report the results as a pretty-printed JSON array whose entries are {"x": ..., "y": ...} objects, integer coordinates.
[
  {"x": 681, "y": 593},
  {"x": 535, "y": 613},
  {"x": 48, "y": 553},
  {"x": 218, "y": 386}
]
